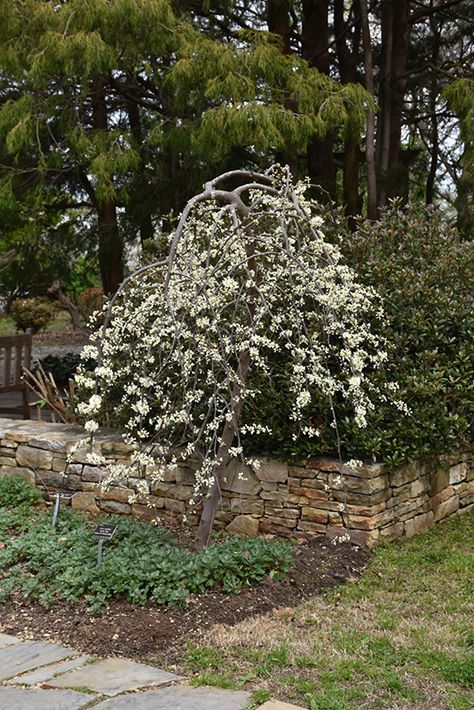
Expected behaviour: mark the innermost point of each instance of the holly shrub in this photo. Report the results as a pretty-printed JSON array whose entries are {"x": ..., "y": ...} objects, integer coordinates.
[{"x": 424, "y": 273}]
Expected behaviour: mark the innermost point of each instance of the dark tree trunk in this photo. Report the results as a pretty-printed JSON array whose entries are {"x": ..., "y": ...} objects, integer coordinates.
[
  {"x": 395, "y": 42},
  {"x": 278, "y": 21},
  {"x": 370, "y": 135},
  {"x": 110, "y": 241},
  {"x": 140, "y": 214},
  {"x": 110, "y": 248},
  {"x": 347, "y": 60},
  {"x": 315, "y": 44},
  {"x": 350, "y": 181},
  {"x": 434, "y": 89}
]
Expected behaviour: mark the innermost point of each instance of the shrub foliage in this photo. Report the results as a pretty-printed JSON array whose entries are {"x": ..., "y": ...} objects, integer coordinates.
[
  {"x": 423, "y": 271},
  {"x": 31, "y": 314}
]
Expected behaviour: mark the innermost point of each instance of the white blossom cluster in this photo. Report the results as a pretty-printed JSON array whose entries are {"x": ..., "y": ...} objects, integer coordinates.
[{"x": 250, "y": 280}]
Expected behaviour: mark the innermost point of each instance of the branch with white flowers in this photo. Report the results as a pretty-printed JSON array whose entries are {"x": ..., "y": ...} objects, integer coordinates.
[{"x": 250, "y": 283}]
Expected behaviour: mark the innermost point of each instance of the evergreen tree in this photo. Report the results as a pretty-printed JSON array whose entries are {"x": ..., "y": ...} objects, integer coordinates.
[{"x": 124, "y": 106}]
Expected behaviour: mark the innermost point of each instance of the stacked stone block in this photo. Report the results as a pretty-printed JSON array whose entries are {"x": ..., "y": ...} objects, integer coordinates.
[{"x": 317, "y": 497}]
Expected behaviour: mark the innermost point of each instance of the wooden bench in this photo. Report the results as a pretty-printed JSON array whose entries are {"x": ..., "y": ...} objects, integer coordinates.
[{"x": 15, "y": 354}]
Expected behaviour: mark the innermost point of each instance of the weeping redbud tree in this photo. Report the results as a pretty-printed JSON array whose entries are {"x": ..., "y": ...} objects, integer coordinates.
[{"x": 250, "y": 282}]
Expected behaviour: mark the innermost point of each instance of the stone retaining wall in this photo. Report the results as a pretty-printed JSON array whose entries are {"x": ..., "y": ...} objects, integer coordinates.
[{"x": 319, "y": 496}]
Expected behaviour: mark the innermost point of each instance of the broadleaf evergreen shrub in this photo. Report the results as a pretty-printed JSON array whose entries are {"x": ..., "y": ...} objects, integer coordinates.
[
  {"x": 424, "y": 272},
  {"x": 61, "y": 367}
]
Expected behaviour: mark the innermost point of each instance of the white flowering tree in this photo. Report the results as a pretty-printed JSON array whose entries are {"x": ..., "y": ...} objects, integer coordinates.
[{"x": 250, "y": 282}]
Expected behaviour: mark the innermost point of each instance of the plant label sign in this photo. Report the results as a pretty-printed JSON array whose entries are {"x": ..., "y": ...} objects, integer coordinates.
[{"x": 104, "y": 531}]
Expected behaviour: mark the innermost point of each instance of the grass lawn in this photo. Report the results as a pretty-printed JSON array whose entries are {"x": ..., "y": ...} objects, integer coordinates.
[{"x": 401, "y": 637}]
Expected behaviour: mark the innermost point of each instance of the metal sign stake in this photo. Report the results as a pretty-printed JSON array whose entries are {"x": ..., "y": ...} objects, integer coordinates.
[
  {"x": 55, "y": 511},
  {"x": 99, "y": 552}
]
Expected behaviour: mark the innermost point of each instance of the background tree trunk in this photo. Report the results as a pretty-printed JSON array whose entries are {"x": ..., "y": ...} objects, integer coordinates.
[
  {"x": 395, "y": 42},
  {"x": 110, "y": 241},
  {"x": 278, "y": 21},
  {"x": 370, "y": 135},
  {"x": 315, "y": 49},
  {"x": 347, "y": 60},
  {"x": 140, "y": 214}
]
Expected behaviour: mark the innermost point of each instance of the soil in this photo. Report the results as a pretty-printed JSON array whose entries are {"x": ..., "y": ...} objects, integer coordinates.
[{"x": 160, "y": 632}]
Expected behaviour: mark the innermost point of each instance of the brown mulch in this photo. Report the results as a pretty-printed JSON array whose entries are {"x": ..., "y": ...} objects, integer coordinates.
[{"x": 157, "y": 631}]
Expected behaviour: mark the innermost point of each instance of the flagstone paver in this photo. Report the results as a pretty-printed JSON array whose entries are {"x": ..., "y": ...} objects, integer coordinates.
[
  {"x": 112, "y": 676},
  {"x": 179, "y": 698},
  {"x": 277, "y": 705},
  {"x": 64, "y": 686},
  {"x": 41, "y": 675},
  {"x": 27, "y": 699},
  {"x": 6, "y": 640},
  {"x": 27, "y": 655}
]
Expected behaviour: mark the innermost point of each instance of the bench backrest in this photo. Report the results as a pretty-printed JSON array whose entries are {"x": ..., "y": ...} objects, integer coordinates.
[{"x": 15, "y": 354}]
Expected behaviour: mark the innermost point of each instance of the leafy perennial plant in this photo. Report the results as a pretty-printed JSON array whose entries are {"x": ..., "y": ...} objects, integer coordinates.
[{"x": 250, "y": 286}]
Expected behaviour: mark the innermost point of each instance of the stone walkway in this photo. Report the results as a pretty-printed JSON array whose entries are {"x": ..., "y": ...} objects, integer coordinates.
[{"x": 35, "y": 675}]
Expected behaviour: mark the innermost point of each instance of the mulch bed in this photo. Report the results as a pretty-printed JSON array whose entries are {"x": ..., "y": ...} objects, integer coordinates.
[{"x": 160, "y": 631}]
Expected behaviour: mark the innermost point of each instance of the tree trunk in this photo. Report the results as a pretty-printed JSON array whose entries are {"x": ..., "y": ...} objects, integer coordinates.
[
  {"x": 383, "y": 122},
  {"x": 212, "y": 499},
  {"x": 434, "y": 89},
  {"x": 139, "y": 212},
  {"x": 370, "y": 136},
  {"x": 350, "y": 180},
  {"x": 395, "y": 43},
  {"x": 347, "y": 60},
  {"x": 57, "y": 291},
  {"x": 110, "y": 242},
  {"x": 278, "y": 21},
  {"x": 315, "y": 49},
  {"x": 110, "y": 248}
]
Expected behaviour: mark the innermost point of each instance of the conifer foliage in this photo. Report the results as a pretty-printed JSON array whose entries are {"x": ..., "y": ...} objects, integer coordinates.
[{"x": 121, "y": 107}]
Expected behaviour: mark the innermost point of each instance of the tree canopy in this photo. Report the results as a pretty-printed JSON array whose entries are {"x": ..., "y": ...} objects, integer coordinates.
[{"x": 113, "y": 113}]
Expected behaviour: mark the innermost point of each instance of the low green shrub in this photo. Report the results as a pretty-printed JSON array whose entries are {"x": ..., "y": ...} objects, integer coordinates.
[
  {"x": 140, "y": 563},
  {"x": 32, "y": 313}
]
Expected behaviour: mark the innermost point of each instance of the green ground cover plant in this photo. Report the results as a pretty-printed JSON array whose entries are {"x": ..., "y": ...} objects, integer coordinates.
[
  {"x": 140, "y": 562},
  {"x": 401, "y": 637}
]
